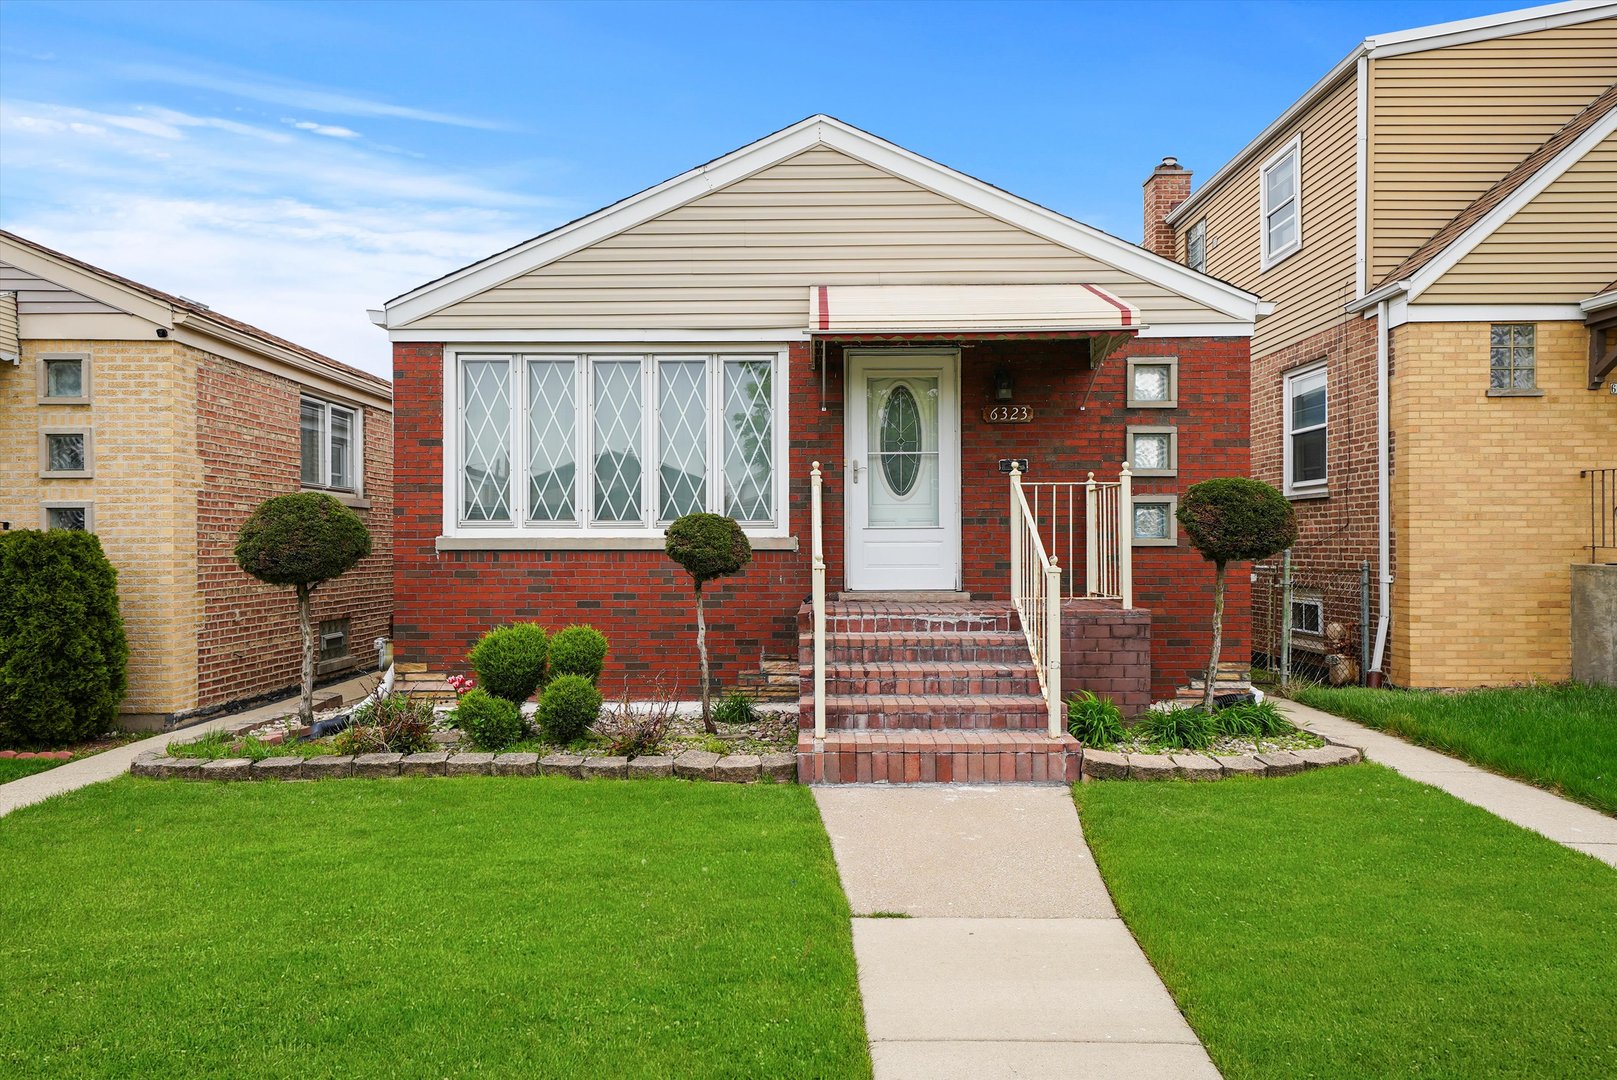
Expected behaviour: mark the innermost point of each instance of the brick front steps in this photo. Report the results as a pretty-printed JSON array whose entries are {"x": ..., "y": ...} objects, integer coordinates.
[
  {"x": 690, "y": 765},
  {"x": 938, "y": 757}
]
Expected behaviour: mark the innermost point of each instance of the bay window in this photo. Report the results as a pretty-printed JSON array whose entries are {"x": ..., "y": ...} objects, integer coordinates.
[{"x": 660, "y": 435}]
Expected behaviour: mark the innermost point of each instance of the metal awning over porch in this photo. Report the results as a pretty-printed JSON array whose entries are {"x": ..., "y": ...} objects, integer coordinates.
[{"x": 968, "y": 309}]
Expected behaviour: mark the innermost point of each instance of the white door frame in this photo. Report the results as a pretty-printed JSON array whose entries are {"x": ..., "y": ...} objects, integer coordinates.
[{"x": 856, "y": 364}]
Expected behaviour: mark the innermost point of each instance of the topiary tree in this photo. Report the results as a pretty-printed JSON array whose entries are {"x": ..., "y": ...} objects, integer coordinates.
[
  {"x": 62, "y": 646},
  {"x": 302, "y": 540},
  {"x": 510, "y": 661},
  {"x": 1233, "y": 519},
  {"x": 708, "y": 546},
  {"x": 578, "y": 650},
  {"x": 567, "y": 708}
]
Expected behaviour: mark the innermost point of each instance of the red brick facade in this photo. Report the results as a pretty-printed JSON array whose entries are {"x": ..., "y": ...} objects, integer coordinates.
[
  {"x": 643, "y": 603},
  {"x": 248, "y": 441}
]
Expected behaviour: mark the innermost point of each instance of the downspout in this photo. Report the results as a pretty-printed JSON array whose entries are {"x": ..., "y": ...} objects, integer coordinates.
[{"x": 1383, "y": 486}]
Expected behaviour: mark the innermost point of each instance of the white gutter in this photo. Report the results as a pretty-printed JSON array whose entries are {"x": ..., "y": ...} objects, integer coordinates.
[{"x": 1383, "y": 493}]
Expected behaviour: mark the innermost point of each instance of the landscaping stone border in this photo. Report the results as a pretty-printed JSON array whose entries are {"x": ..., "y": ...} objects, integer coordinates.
[
  {"x": 1105, "y": 765},
  {"x": 690, "y": 765}
]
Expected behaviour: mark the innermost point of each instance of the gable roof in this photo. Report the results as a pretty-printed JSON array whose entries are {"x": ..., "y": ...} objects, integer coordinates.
[
  {"x": 788, "y": 142},
  {"x": 189, "y": 313},
  {"x": 1550, "y": 160},
  {"x": 1399, "y": 43}
]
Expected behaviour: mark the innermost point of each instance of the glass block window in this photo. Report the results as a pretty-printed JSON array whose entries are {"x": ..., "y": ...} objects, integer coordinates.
[
  {"x": 1152, "y": 382},
  {"x": 662, "y": 436},
  {"x": 1153, "y": 451},
  {"x": 74, "y": 516},
  {"x": 749, "y": 426},
  {"x": 65, "y": 452},
  {"x": 66, "y": 377},
  {"x": 1154, "y": 524},
  {"x": 328, "y": 442},
  {"x": 485, "y": 446},
  {"x": 1306, "y": 425},
  {"x": 1512, "y": 364},
  {"x": 1281, "y": 204}
]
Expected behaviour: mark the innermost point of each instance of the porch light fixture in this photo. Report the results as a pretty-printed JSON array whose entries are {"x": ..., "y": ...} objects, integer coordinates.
[{"x": 1004, "y": 387}]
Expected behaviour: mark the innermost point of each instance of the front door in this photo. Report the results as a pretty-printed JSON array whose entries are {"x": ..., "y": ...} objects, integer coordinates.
[{"x": 902, "y": 474}]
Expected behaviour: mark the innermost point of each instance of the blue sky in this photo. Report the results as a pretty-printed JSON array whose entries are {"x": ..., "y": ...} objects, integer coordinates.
[{"x": 292, "y": 164}]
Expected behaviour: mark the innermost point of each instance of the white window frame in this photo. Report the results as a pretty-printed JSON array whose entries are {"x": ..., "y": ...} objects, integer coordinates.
[
  {"x": 1172, "y": 503},
  {"x": 356, "y": 438},
  {"x": 1293, "y": 149},
  {"x": 1313, "y": 637},
  {"x": 84, "y": 378},
  {"x": 1288, "y": 429},
  {"x": 48, "y": 505},
  {"x": 583, "y": 528},
  {"x": 1196, "y": 238}
]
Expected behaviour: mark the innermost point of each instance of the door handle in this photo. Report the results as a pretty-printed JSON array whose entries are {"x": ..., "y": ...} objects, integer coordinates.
[{"x": 855, "y": 466}]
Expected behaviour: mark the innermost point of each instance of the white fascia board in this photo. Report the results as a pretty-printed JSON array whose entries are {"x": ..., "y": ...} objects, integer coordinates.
[
  {"x": 1193, "y": 330},
  {"x": 1389, "y": 291},
  {"x": 1488, "y": 27},
  {"x": 1244, "y": 156},
  {"x": 610, "y": 335},
  {"x": 112, "y": 293},
  {"x": 1492, "y": 313},
  {"x": 1484, "y": 227},
  {"x": 1361, "y": 176},
  {"x": 1599, "y": 303},
  {"x": 860, "y": 145}
]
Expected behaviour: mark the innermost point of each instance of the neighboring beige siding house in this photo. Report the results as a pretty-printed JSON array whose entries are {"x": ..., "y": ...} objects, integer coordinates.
[
  {"x": 1435, "y": 222},
  {"x": 159, "y": 425}
]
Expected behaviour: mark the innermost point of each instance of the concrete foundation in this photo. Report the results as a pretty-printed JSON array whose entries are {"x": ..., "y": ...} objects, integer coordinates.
[{"x": 1594, "y": 623}]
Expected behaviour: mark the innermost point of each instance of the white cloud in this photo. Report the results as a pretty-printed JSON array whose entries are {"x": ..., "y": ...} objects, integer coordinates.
[{"x": 329, "y": 130}]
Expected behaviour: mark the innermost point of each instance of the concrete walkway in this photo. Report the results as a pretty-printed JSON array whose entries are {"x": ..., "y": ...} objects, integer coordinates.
[
  {"x": 1013, "y": 961},
  {"x": 115, "y": 762},
  {"x": 1562, "y": 820}
]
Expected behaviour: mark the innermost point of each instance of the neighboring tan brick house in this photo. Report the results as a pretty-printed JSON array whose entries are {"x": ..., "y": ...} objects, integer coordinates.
[
  {"x": 159, "y": 425},
  {"x": 819, "y": 295},
  {"x": 1439, "y": 210}
]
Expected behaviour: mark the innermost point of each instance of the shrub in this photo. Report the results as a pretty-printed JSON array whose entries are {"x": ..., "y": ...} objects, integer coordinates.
[
  {"x": 62, "y": 646},
  {"x": 708, "y": 546},
  {"x": 492, "y": 723},
  {"x": 1094, "y": 721},
  {"x": 1233, "y": 519},
  {"x": 404, "y": 722},
  {"x": 302, "y": 540},
  {"x": 510, "y": 661},
  {"x": 736, "y": 708},
  {"x": 1251, "y": 720},
  {"x": 635, "y": 730},
  {"x": 578, "y": 650},
  {"x": 569, "y": 705},
  {"x": 1179, "y": 727},
  {"x": 360, "y": 739}
]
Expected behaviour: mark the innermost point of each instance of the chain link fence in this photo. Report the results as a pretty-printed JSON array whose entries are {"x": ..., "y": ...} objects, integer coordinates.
[{"x": 1312, "y": 622}]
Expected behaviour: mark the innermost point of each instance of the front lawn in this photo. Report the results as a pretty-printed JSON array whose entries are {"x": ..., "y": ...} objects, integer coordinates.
[
  {"x": 436, "y": 927},
  {"x": 17, "y": 768},
  {"x": 1562, "y": 737},
  {"x": 1352, "y": 923}
]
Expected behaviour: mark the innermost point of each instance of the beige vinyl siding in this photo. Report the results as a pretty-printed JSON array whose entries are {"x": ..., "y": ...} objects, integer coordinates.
[
  {"x": 9, "y": 343},
  {"x": 744, "y": 256},
  {"x": 1447, "y": 123},
  {"x": 36, "y": 296},
  {"x": 1558, "y": 249},
  {"x": 1310, "y": 287}
]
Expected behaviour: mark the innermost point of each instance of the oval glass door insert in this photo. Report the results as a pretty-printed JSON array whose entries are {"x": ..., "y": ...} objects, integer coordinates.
[{"x": 901, "y": 441}]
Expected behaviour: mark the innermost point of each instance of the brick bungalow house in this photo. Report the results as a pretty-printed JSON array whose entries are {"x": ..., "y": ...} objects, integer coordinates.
[
  {"x": 823, "y": 295},
  {"x": 1435, "y": 221},
  {"x": 159, "y": 425}
]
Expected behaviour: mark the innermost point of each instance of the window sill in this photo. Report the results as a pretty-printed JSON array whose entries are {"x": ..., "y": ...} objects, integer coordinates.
[
  {"x": 1515, "y": 393},
  {"x": 1309, "y": 493},
  {"x": 1269, "y": 262},
  {"x": 1152, "y": 405},
  {"x": 347, "y": 498},
  {"x": 64, "y": 401},
  {"x": 588, "y": 543},
  {"x": 1140, "y": 543},
  {"x": 336, "y": 663}
]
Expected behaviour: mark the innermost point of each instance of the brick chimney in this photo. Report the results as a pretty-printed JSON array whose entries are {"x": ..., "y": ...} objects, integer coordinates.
[{"x": 1166, "y": 187}]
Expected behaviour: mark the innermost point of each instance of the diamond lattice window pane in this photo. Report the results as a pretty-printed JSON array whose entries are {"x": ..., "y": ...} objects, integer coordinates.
[
  {"x": 1151, "y": 451},
  {"x": 1151, "y": 521},
  {"x": 309, "y": 419},
  {"x": 66, "y": 452},
  {"x": 486, "y": 440},
  {"x": 682, "y": 434},
  {"x": 749, "y": 456},
  {"x": 617, "y": 441},
  {"x": 64, "y": 378},
  {"x": 1151, "y": 382},
  {"x": 552, "y": 425}
]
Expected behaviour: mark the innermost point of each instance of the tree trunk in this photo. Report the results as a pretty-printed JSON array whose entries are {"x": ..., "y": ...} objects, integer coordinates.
[
  {"x": 701, "y": 647},
  {"x": 306, "y": 705},
  {"x": 1218, "y": 636}
]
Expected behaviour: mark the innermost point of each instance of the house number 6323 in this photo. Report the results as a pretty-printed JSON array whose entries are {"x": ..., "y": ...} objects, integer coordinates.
[{"x": 1008, "y": 414}]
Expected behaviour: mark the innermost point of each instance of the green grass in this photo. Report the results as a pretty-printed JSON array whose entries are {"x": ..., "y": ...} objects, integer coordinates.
[
  {"x": 1351, "y": 923},
  {"x": 17, "y": 768},
  {"x": 428, "y": 927},
  {"x": 1561, "y": 737}
]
